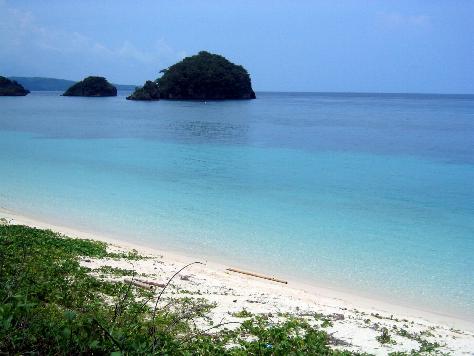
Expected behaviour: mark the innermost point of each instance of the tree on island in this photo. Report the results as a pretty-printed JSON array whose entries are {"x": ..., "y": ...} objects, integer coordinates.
[
  {"x": 11, "y": 88},
  {"x": 92, "y": 86},
  {"x": 149, "y": 91},
  {"x": 204, "y": 76}
]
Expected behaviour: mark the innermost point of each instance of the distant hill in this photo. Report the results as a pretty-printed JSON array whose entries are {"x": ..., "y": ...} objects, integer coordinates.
[
  {"x": 54, "y": 84},
  {"x": 37, "y": 83}
]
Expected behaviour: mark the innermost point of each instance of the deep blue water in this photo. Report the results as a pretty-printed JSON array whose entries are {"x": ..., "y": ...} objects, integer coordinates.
[{"x": 365, "y": 192}]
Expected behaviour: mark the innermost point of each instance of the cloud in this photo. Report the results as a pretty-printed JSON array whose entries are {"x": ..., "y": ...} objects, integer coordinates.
[
  {"x": 395, "y": 20},
  {"x": 160, "y": 51},
  {"x": 22, "y": 36}
]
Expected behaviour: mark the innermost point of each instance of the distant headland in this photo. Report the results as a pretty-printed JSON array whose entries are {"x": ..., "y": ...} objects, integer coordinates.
[
  {"x": 204, "y": 76},
  {"x": 11, "y": 88},
  {"x": 55, "y": 84},
  {"x": 92, "y": 86}
]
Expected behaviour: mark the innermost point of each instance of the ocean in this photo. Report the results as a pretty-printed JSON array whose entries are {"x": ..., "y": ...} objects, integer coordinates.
[{"x": 367, "y": 193}]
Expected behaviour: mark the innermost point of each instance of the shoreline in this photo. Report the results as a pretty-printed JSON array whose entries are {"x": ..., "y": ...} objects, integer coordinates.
[
  {"x": 344, "y": 297},
  {"x": 354, "y": 322}
]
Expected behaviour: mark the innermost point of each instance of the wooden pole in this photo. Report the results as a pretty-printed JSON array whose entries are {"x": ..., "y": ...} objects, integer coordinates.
[{"x": 257, "y": 275}]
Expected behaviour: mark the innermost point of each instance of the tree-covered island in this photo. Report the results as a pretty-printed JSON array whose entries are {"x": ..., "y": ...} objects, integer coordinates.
[
  {"x": 92, "y": 86},
  {"x": 11, "y": 88},
  {"x": 149, "y": 91},
  {"x": 204, "y": 76}
]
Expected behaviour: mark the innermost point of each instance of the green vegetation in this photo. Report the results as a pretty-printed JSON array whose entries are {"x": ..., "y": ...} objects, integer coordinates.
[
  {"x": 205, "y": 76},
  {"x": 244, "y": 313},
  {"x": 92, "y": 86},
  {"x": 149, "y": 91},
  {"x": 327, "y": 323},
  {"x": 114, "y": 271},
  {"x": 50, "y": 304},
  {"x": 385, "y": 338},
  {"x": 426, "y": 346},
  {"x": 11, "y": 88}
]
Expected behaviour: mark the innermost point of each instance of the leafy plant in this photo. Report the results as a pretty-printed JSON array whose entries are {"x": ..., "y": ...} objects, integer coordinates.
[
  {"x": 385, "y": 338},
  {"x": 244, "y": 313},
  {"x": 326, "y": 323}
]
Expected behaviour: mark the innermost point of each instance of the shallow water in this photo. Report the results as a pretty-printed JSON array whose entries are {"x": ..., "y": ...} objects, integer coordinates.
[{"x": 372, "y": 193}]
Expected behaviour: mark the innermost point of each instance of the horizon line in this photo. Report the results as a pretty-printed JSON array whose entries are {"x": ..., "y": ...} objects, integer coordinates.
[{"x": 289, "y": 91}]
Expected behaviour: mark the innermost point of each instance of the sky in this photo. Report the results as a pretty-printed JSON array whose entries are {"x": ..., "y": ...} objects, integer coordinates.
[{"x": 330, "y": 46}]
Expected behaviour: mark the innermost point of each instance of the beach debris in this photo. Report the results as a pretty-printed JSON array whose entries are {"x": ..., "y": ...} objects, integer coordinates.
[
  {"x": 153, "y": 283},
  {"x": 337, "y": 316},
  {"x": 139, "y": 284},
  {"x": 337, "y": 341},
  {"x": 144, "y": 284},
  {"x": 257, "y": 275}
]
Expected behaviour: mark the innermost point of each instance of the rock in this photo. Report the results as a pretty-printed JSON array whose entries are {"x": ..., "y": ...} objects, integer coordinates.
[
  {"x": 149, "y": 91},
  {"x": 11, "y": 88},
  {"x": 92, "y": 86}
]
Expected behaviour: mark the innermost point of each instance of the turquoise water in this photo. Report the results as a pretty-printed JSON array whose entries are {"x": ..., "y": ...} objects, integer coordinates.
[{"x": 368, "y": 193}]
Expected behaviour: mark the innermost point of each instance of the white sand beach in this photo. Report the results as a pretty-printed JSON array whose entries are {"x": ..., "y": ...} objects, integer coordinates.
[{"x": 353, "y": 322}]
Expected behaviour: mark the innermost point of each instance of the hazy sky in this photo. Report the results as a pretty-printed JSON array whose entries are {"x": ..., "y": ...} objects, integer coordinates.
[{"x": 377, "y": 46}]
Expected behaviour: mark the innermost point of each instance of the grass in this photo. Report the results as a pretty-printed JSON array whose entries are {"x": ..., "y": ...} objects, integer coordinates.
[{"x": 50, "y": 304}]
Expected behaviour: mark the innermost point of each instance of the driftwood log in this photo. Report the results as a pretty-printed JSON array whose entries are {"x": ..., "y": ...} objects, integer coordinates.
[
  {"x": 257, "y": 275},
  {"x": 156, "y": 284},
  {"x": 143, "y": 283}
]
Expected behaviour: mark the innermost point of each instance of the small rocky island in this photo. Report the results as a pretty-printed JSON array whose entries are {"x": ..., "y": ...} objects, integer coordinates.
[
  {"x": 11, "y": 88},
  {"x": 149, "y": 91},
  {"x": 92, "y": 86},
  {"x": 204, "y": 76}
]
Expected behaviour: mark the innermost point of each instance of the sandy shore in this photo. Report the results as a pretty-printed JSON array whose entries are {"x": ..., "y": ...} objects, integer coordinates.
[{"x": 353, "y": 321}]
